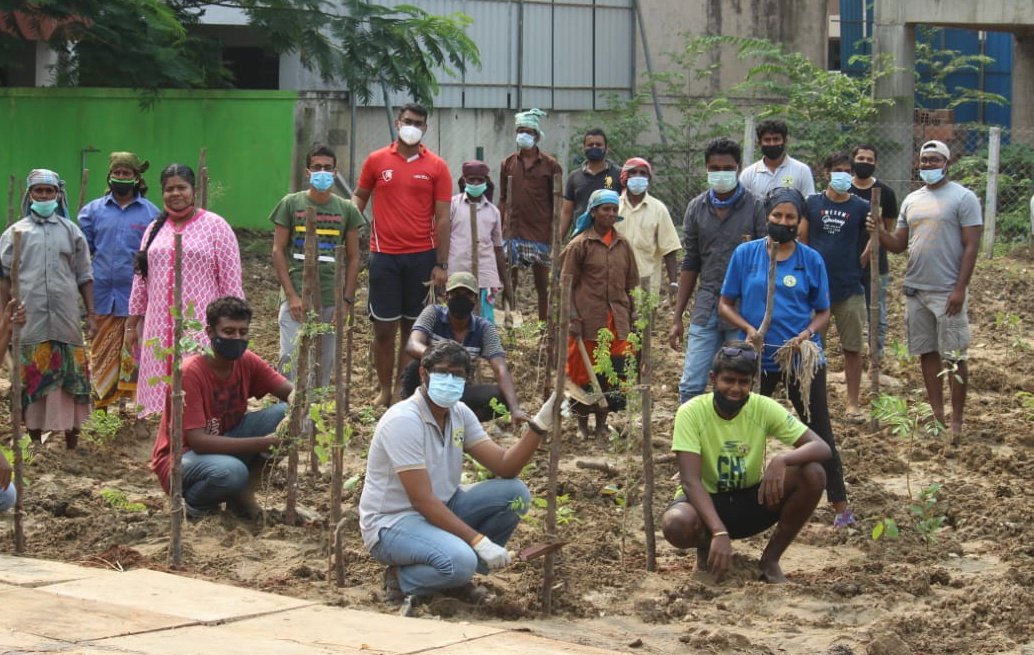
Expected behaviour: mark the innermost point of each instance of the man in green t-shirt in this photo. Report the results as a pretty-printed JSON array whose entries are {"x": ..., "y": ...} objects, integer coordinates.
[
  {"x": 337, "y": 221},
  {"x": 728, "y": 492}
]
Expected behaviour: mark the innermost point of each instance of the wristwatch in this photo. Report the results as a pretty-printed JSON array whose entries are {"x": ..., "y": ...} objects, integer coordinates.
[{"x": 444, "y": 266}]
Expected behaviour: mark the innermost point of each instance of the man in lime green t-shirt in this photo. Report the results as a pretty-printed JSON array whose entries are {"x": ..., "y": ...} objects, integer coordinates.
[
  {"x": 337, "y": 221},
  {"x": 728, "y": 492}
]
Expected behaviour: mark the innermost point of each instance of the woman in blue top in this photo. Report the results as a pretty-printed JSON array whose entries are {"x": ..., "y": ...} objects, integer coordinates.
[{"x": 801, "y": 311}]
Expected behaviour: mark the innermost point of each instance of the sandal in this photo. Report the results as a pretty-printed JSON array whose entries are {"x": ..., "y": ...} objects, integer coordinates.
[
  {"x": 844, "y": 519},
  {"x": 855, "y": 417}
]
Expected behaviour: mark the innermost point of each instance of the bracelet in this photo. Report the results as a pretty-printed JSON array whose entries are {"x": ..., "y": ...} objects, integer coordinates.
[
  {"x": 722, "y": 533},
  {"x": 476, "y": 540}
]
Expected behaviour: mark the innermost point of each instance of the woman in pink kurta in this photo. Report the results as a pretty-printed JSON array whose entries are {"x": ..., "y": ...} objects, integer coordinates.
[{"x": 211, "y": 269}]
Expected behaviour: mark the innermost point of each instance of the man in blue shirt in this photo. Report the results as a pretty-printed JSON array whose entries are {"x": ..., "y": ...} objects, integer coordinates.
[
  {"x": 113, "y": 226},
  {"x": 835, "y": 226}
]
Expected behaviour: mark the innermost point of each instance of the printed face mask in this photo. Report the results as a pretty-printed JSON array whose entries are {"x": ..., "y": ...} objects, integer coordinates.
[
  {"x": 840, "y": 181},
  {"x": 122, "y": 187},
  {"x": 410, "y": 135},
  {"x": 231, "y": 349},
  {"x": 445, "y": 389},
  {"x": 721, "y": 181},
  {"x": 321, "y": 180},
  {"x": 637, "y": 185}
]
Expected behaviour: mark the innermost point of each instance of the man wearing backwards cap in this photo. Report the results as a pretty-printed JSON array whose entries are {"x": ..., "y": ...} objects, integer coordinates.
[
  {"x": 940, "y": 224},
  {"x": 527, "y": 209},
  {"x": 648, "y": 226},
  {"x": 114, "y": 225}
]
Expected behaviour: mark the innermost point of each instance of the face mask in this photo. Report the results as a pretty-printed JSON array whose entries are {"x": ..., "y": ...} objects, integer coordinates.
[
  {"x": 460, "y": 306},
  {"x": 595, "y": 154},
  {"x": 726, "y": 406},
  {"x": 863, "y": 170},
  {"x": 782, "y": 233},
  {"x": 122, "y": 187},
  {"x": 445, "y": 389},
  {"x": 475, "y": 190},
  {"x": 773, "y": 152},
  {"x": 410, "y": 135},
  {"x": 840, "y": 181},
  {"x": 721, "y": 181},
  {"x": 44, "y": 208},
  {"x": 637, "y": 185},
  {"x": 321, "y": 180},
  {"x": 231, "y": 349},
  {"x": 525, "y": 140},
  {"x": 931, "y": 176}
]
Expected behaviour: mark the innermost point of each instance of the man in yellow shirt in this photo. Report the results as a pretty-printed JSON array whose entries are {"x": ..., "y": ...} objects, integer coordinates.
[
  {"x": 648, "y": 227},
  {"x": 728, "y": 492}
]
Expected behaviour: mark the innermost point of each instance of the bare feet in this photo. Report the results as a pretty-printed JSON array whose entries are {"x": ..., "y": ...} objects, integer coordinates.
[
  {"x": 583, "y": 427},
  {"x": 956, "y": 432},
  {"x": 772, "y": 573},
  {"x": 384, "y": 397}
]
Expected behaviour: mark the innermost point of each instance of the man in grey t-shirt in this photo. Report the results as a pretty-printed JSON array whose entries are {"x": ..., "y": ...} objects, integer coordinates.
[
  {"x": 413, "y": 515},
  {"x": 940, "y": 224}
]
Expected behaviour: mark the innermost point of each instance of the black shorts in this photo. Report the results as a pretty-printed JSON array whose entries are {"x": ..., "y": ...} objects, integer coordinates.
[
  {"x": 740, "y": 512},
  {"x": 397, "y": 284}
]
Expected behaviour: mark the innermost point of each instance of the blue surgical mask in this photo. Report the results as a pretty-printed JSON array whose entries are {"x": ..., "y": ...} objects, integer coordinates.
[
  {"x": 525, "y": 140},
  {"x": 721, "y": 181},
  {"x": 445, "y": 389},
  {"x": 637, "y": 185},
  {"x": 475, "y": 190},
  {"x": 931, "y": 176},
  {"x": 44, "y": 208},
  {"x": 321, "y": 180},
  {"x": 840, "y": 181}
]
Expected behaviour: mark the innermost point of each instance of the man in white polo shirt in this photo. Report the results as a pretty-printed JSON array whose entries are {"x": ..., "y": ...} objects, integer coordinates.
[{"x": 776, "y": 168}]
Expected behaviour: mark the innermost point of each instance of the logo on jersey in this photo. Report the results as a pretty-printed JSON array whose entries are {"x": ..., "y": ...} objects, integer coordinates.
[
  {"x": 387, "y": 174},
  {"x": 422, "y": 176},
  {"x": 789, "y": 281}
]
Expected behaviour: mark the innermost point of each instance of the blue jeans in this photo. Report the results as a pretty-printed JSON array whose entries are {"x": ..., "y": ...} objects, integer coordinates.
[
  {"x": 881, "y": 335},
  {"x": 702, "y": 344},
  {"x": 7, "y": 497},
  {"x": 430, "y": 559},
  {"x": 212, "y": 479}
]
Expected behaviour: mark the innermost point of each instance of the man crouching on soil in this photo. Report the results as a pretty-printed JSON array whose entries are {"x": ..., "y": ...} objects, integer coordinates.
[
  {"x": 413, "y": 514},
  {"x": 719, "y": 443},
  {"x": 222, "y": 440}
]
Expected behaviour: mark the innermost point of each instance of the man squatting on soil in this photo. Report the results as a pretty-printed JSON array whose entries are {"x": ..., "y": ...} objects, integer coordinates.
[{"x": 719, "y": 443}]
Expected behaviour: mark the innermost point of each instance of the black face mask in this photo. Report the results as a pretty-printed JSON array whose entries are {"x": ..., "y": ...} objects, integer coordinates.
[
  {"x": 726, "y": 406},
  {"x": 863, "y": 169},
  {"x": 773, "y": 152},
  {"x": 595, "y": 154},
  {"x": 782, "y": 233},
  {"x": 230, "y": 349},
  {"x": 122, "y": 188},
  {"x": 460, "y": 306}
]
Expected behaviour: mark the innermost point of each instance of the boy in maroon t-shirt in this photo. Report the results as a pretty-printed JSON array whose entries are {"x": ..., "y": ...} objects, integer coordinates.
[{"x": 222, "y": 441}]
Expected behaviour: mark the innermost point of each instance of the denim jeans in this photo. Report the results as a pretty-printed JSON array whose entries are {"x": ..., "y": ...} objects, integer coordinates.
[
  {"x": 8, "y": 496},
  {"x": 881, "y": 335},
  {"x": 212, "y": 479},
  {"x": 702, "y": 343},
  {"x": 431, "y": 559},
  {"x": 289, "y": 329}
]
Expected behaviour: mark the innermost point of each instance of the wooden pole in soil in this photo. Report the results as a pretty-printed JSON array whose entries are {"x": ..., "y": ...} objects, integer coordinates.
[
  {"x": 316, "y": 342},
  {"x": 202, "y": 178},
  {"x": 874, "y": 296},
  {"x": 16, "y": 398},
  {"x": 645, "y": 380},
  {"x": 474, "y": 254},
  {"x": 10, "y": 203},
  {"x": 548, "y": 572},
  {"x": 82, "y": 190},
  {"x": 759, "y": 345},
  {"x": 509, "y": 304},
  {"x": 176, "y": 439},
  {"x": 337, "y": 454},
  {"x": 552, "y": 340}
]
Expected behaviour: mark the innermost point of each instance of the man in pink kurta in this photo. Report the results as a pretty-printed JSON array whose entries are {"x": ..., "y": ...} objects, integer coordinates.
[{"x": 211, "y": 269}]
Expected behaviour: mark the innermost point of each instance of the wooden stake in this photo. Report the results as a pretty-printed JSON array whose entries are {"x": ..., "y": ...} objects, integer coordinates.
[
  {"x": 16, "y": 397},
  {"x": 337, "y": 454},
  {"x": 474, "y": 254},
  {"x": 10, "y": 203},
  {"x": 874, "y": 294},
  {"x": 316, "y": 341},
  {"x": 510, "y": 305},
  {"x": 554, "y": 294},
  {"x": 176, "y": 438},
  {"x": 554, "y": 446},
  {"x": 645, "y": 380},
  {"x": 773, "y": 248},
  {"x": 82, "y": 190},
  {"x": 202, "y": 178}
]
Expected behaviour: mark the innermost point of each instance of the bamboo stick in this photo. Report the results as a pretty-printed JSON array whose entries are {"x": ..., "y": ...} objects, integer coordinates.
[
  {"x": 552, "y": 341},
  {"x": 874, "y": 296},
  {"x": 474, "y": 255},
  {"x": 176, "y": 438},
  {"x": 337, "y": 454},
  {"x": 773, "y": 249},
  {"x": 510, "y": 298},
  {"x": 16, "y": 397},
  {"x": 315, "y": 341},
  {"x": 10, "y": 204},
  {"x": 645, "y": 380}
]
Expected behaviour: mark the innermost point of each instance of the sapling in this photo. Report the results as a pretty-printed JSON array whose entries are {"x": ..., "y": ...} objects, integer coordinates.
[{"x": 906, "y": 423}]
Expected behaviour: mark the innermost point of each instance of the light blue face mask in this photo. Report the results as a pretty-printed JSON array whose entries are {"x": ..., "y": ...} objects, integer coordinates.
[
  {"x": 525, "y": 140},
  {"x": 475, "y": 190},
  {"x": 931, "y": 176},
  {"x": 321, "y": 180},
  {"x": 721, "y": 181},
  {"x": 637, "y": 185},
  {"x": 840, "y": 181},
  {"x": 44, "y": 208},
  {"x": 445, "y": 389}
]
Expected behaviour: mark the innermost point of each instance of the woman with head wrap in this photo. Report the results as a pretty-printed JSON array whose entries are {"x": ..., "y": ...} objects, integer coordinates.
[
  {"x": 800, "y": 312},
  {"x": 604, "y": 273},
  {"x": 114, "y": 225},
  {"x": 54, "y": 271}
]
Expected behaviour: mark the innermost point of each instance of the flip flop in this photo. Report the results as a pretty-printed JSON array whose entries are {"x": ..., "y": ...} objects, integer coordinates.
[{"x": 856, "y": 417}]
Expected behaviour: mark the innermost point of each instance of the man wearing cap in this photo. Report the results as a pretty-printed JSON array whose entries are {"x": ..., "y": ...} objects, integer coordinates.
[
  {"x": 476, "y": 192},
  {"x": 648, "y": 227},
  {"x": 54, "y": 272},
  {"x": 940, "y": 224},
  {"x": 457, "y": 322},
  {"x": 113, "y": 226},
  {"x": 527, "y": 208}
]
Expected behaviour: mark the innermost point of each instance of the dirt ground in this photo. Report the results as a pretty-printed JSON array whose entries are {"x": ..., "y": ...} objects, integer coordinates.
[{"x": 969, "y": 591}]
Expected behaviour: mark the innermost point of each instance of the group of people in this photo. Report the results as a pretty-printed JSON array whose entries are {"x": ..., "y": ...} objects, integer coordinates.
[{"x": 424, "y": 239}]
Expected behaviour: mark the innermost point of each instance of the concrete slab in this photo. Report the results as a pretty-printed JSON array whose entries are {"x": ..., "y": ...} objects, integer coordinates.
[
  {"x": 345, "y": 631},
  {"x": 217, "y": 639},
  {"x": 13, "y": 639},
  {"x": 29, "y": 572},
  {"x": 519, "y": 643},
  {"x": 40, "y": 613},
  {"x": 175, "y": 595}
]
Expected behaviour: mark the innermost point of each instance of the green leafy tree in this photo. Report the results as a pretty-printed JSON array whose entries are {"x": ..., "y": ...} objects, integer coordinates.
[{"x": 935, "y": 64}]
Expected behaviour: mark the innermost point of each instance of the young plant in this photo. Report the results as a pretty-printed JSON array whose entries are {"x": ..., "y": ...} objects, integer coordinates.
[
  {"x": 565, "y": 514},
  {"x": 478, "y": 474},
  {"x": 188, "y": 344},
  {"x": 101, "y": 428},
  {"x": 928, "y": 517},
  {"x": 499, "y": 410},
  {"x": 326, "y": 434},
  {"x": 1027, "y": 402},
  {"x": 885, "y": 527},
  {"x": 906, "y": 423},
  {"x": 24, "y": 445},
  {"x": 119, "y": 501}
]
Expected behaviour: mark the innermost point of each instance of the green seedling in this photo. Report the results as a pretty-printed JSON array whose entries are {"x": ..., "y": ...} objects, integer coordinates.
[
  {"x": 928, "y": 517},
  {"x": 24, "y": 446},
  {"x": 117, "y": 500},
  {"x": 1027, "y": 402},
  {"x": 499, "y": 410},
  {"x": 565, "y": 514},
  {"x": 101, "y": 428},
  {"x": 478, "y": 474},
  {"x": 326, "y": 433},
  {"x": 906, "y": 423},
  {"x": 885, "y": 527}
]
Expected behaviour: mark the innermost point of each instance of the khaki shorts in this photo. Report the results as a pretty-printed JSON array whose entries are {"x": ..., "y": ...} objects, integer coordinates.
[
  {"x": 849, "y": 315},
  {"x": 930, "y": 329}
]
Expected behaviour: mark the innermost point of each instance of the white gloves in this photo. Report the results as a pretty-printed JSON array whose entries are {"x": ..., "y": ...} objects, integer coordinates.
[
  {"x": 543, "y": 419},
  {"x": 493, "y": 555}
]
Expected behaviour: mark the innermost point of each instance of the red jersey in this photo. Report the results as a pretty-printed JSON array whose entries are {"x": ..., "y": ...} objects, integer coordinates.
[
  {"x": 404, "y": 193},
  {"x": 211, "y": 403}
]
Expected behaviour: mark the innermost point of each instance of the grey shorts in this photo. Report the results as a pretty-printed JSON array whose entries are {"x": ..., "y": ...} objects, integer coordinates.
[{"x": 930, "y": 329}]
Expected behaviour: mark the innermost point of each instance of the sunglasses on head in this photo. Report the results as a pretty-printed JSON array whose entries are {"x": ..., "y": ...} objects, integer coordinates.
[{"x": 746, "y": 353}]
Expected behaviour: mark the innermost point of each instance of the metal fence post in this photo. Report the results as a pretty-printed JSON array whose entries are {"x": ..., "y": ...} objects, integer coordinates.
[
  {"x": 748, "y": 139},
  {"x": 991, "y": 198}
]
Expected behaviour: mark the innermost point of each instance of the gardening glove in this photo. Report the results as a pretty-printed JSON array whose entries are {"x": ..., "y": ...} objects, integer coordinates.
[
  {"x": 543, "y": 419},
  {"x": 493, "y": 555}
]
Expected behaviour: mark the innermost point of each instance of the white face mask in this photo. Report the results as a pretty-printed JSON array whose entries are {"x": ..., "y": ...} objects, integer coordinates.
[{"x": 410, "y": 134}]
